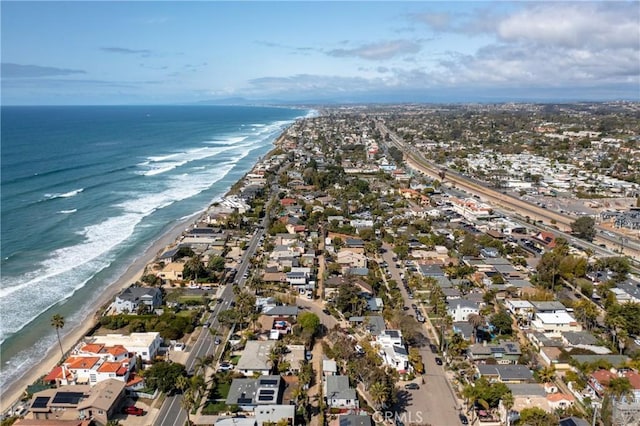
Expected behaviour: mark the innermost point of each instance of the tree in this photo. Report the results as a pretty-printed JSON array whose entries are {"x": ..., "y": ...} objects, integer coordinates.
[
  {"x": 546, "y": 374},
  {"x": 586, "y": 312},
  {"x": 476, "y": 321},
  {"x": 507, "y": 402},
  {"x": 620, "y": 387},
  {"x": 535, "y": 416},
  {"x": 187, "y": 403},
  {"x": 57, "y": 322},
  {"x": 584, "y": 227},
  {"x": 378, "y": 393},
  {"x": 216, "y": 263},
  {"x": 164, "y": 375},
  {"x": 309, "y": 322},
  {"x": 468, "y": 247},
  {"x": 502, "y": 322}
]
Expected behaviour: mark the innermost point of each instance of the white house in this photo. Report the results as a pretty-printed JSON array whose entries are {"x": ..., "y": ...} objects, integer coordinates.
[
  {"x": 555, "y": 323},
  {"x": 390, "y": 337},
  {"x": 255, "y": 357},
  {"x": 339, "y": 394},
  {"x": 461, "y": 309},
  {"x": 130, "y": 299},
  {"x": 144, "y": 345}
]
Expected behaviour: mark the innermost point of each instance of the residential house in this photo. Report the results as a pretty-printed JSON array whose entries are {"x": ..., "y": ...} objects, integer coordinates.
[
  {"x": 583, "y": 340},
  {"x": 99, "y": 403},
  {"x": 353, "y": 420},
  {"x": 339, "y": 394},
  {"x": 172, "y": 271},
  {"x": 504, "y": 352},
  {"x": 255, "y": 357},
  {"x": 329, "y": 368},
  {"x": 511, "y": 373},
  {"x": 527, "y": 395},
  {"x": 349, "y": 259},
  {"x": 393, "y": 350},
  {"x": 295, "y": 356},
  {"x": 144, "y": 345},
  {"x": 274, "y": 414},
  {"x": 130, "y": 299},
  {"x": 461, "y": 309},
  {"x": 520, "y": 309},
  {"x": 94, "y": 363},
  {"x": 560, "y": 401},
  {"x": 548, "y": 307},
  {"x": 555, "y": 323},
  {"x": 248, "y": 393}
]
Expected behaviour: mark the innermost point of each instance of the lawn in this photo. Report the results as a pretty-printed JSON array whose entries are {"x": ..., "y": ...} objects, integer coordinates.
[
  {"x": 186, "y": 299},
  {"x": 221, "y": 391},
  {"x": 212, "y": 408},
  {"x": 234, "y": 359}
]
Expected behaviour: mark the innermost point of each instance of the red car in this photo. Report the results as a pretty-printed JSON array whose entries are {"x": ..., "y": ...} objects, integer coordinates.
[{"x": 136, "y": 411}]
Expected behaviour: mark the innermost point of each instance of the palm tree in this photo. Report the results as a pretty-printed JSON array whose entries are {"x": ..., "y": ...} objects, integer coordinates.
[
  {"x": 378, "y": 392},
  {"x": 182, "y": 383},
  {"x": 476, "y": 321},
  {"x": 507, "y": 402},
  {"x": 187, "y": 403},
  {"x": 547, "y": 374},
  {"x": 57, "y": 321}
]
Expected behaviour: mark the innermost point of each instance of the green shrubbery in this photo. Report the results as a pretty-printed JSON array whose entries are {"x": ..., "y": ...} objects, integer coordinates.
[{"x": 169, "y": 325}]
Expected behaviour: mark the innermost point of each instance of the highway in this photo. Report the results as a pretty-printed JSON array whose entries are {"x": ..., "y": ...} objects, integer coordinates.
[{"x": 628, "y": 246}]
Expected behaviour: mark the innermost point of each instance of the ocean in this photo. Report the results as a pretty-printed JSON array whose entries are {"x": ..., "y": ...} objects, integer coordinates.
[{"x": 85, "y": 190}]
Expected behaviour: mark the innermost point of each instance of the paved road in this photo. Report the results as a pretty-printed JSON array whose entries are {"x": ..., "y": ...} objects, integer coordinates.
[
  {"x": 171, "y": 413},
  {"x": 434, "y": 403},
  {"x": 628, "y": 246}
]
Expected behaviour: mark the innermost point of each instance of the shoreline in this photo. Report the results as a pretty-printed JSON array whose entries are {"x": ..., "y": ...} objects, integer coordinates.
[{"x": 12, "y": 394}]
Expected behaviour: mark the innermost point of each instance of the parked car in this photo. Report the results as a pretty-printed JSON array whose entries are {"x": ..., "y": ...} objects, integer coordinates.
[
  {"x": 438, "y": 360},
  {"x": 217, "y": 341},
  {"x": 133, "y": 410},
  {"x": 463, "y": 419},
  {"x": 225, "y": 366},
  {"x": 412, "y": 386},
  {"x": 308, "y": 356},
  {"x": 326, "y": 312}
]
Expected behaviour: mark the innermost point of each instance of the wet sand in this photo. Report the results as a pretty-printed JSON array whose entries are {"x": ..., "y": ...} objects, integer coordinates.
[{"x": 12, "y": 393}]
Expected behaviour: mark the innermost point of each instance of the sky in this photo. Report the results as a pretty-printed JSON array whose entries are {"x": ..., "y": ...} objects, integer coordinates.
[{"x": 157, "y": 52}]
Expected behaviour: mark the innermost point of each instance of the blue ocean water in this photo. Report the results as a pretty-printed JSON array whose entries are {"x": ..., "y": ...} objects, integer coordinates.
[{"x": 86, "y": 189}]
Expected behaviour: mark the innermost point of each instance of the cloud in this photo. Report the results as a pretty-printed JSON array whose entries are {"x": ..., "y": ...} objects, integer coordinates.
[
  {"x": 126, "y": 51},
  {"x": 307, "y": 85},
  {"x": 378, "y": 51},
  {"x": 574, "y": 25},
  {"x": 292, "y": 49},
  {"x": 11, "y": 70}
]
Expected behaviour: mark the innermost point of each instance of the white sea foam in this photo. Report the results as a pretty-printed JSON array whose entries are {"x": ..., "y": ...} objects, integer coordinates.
[
  {"x": 69, "y": 268},
  {"x": 68, "y": 211},
  {"x": 65, "y": 194}
]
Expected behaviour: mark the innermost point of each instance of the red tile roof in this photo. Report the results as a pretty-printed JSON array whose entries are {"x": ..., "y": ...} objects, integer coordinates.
[{"x": 81, "y": 362}]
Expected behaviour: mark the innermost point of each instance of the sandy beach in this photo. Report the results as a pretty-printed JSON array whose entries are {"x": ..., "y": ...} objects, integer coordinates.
[{"x": 14, "y": 392}]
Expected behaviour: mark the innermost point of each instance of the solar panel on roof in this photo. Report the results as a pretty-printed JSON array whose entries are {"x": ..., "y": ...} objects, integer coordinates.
[
  {"x": 267, "y": 391},
  {"x": 40, "y": 402},
  {"x": 265, "y": 398},
  {"x": 245, "y": 400},
  {"x": 498, "y": 350},
  {"x": 67, "y": 397},
  {"x": 268, "y": 382}
]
